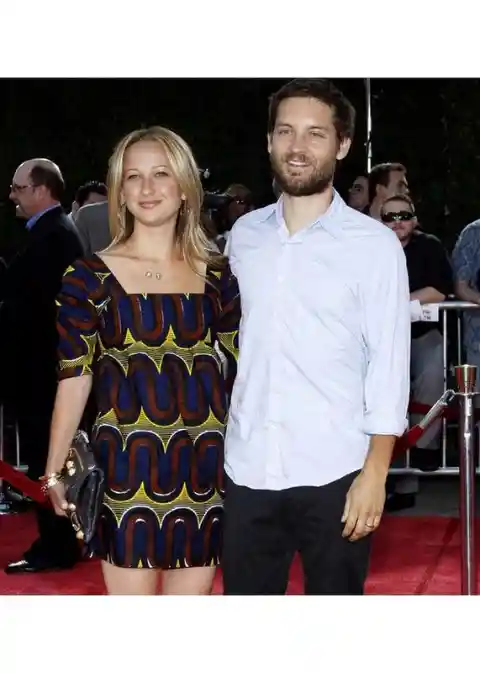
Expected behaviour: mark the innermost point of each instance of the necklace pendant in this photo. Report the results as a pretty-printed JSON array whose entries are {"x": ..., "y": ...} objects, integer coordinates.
[
  {"x": 148, "y": 274},
  {"x": 158, "y": 276}
]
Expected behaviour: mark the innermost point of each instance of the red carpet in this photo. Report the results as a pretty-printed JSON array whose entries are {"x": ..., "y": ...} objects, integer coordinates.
[{"x": 411, "y": 555}]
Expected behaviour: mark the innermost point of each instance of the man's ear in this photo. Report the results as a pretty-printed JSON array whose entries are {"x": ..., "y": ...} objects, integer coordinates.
[
  {"x": 344, "y": 148},
  {"x": 269, "y": 143}
]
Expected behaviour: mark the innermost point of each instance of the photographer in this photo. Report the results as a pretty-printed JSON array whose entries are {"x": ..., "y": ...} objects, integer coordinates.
[{"x": 236, "y": 201}]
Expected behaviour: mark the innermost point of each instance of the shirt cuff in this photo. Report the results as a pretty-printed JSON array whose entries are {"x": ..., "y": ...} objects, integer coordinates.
[{"x": 381, "y": 424}]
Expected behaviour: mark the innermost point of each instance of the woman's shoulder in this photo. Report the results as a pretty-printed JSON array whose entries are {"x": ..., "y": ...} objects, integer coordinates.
[
  {"x": 222, "y": 277},
  {"x": 218, "y": 266},
  {"x": 86, "y": 272},
  {"x": 89, "y": 263}
]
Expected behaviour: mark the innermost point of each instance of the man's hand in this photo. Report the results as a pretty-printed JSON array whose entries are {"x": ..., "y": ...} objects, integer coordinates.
[{"x": 364, "y": 505}]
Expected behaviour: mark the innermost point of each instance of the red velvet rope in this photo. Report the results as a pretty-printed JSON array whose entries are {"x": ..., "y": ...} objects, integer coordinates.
[
  {"x": 409, "y": 439},
  {"x": 18, "y": 480},
  {"x": 450, "y": 413}
]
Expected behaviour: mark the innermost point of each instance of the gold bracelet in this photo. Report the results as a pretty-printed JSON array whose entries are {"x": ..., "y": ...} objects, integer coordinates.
[
  {"x": 50, "y": 480},
  {"x": 51, "y": 475}
]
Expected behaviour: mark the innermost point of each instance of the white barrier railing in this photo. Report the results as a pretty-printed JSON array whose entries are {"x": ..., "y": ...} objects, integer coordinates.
[
  {"x": 4, "y": 503},
  {"x": 443, "y": 310}
]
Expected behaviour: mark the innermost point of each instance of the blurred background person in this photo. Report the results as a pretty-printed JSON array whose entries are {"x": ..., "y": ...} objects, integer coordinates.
[
  {"x": 93, "y": 227},
  {"x": 29, "y": 337},
  {"x": 466, "y": 264},
  {"x": 358, "y": 194},
  {"x": 239, "y": 202},
  {"x": 385, "y": 180},
  {"x": 91, "y": 192},
  {"x": 431, "y": 281}
]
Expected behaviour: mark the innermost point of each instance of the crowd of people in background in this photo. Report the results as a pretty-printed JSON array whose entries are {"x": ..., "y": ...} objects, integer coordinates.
[
  {"x": 383, "y": 194},
  {"x": 435, "y": 275},
  {"x": 100, "y": 221}
]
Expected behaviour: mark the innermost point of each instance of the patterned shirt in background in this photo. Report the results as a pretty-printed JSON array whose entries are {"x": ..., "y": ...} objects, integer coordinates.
[{"x": 466, "y": 266}]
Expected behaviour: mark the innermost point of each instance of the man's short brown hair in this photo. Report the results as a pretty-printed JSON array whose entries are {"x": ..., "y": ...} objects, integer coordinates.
[
  {"x": 380, "y": 175},
  {"x": 324, "y": 91},
  {"x": 398, "y": 197}
]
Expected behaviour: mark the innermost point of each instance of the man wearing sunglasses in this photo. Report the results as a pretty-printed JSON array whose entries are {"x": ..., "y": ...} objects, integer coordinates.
[{"x": 430, "y": 279}]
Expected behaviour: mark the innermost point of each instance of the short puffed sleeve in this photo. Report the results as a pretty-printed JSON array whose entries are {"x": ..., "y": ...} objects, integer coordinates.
[{"x": 77, "y": 322}]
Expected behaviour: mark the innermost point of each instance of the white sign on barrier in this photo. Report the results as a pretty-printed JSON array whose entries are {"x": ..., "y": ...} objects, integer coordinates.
[{"x": 430, "y": 313}]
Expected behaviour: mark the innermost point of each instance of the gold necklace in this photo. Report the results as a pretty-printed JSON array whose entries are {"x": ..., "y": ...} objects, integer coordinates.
[{"x": 149, "y": 274}]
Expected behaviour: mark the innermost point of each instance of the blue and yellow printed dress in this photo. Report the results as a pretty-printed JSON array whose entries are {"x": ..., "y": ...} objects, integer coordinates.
[{"x": 162, "y": 404}]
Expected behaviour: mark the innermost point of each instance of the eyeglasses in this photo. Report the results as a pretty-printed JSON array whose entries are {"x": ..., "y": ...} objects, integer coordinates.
[
  {"x": 19, "y": 188},
  {"x": 401, "y": 216}
]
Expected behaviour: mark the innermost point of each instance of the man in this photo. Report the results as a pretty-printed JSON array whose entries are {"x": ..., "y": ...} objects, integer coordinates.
[
  {"x": 358, "y": 193},
  {"x": 29, "y": 341},
  {"x": 384, "y": 181},
  {"x": 323, "y": 380},
  {"x": 430, "y": 278},
  {"x": 90, "y": 192},
  {"x": 466, "y": 265},
  {"x": 93, "y": 227}
]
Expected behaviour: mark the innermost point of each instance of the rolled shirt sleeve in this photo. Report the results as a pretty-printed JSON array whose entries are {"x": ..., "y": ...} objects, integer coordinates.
[{"x": 387, "y": 334}]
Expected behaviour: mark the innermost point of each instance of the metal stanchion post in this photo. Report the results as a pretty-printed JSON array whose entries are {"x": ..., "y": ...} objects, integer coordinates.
[
  {"x": 17, "y": 447},
  {"x": 4, "y": 504},
  {"x": 465, "y": 376}
]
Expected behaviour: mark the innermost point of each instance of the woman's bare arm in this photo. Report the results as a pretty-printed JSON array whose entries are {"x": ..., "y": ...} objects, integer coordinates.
[{"x": 70, "y": 402}]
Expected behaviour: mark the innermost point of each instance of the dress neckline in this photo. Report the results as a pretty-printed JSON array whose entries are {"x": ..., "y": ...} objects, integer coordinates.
[{"x": 119, "y": 285}]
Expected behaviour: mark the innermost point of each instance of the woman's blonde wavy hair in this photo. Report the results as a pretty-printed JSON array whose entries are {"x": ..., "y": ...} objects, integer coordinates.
[{"x": 191, "y": 237}]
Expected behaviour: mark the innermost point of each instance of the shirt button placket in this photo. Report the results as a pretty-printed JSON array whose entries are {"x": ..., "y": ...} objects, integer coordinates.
[{"x": 275, "y": 472}]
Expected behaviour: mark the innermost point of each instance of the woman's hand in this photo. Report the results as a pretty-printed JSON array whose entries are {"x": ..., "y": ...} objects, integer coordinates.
[{"x": 57, "y": 497}]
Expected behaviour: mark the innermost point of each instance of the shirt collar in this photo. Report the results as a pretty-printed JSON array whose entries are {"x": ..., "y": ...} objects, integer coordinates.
[
  {"x": 328, "y": 221},
  {"x": 33, "y": 220}
]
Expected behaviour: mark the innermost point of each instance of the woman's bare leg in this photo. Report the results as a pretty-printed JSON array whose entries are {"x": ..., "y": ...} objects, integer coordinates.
[
  {"x": 130, "y": 581},
  {"x": 188, "y": 581}
]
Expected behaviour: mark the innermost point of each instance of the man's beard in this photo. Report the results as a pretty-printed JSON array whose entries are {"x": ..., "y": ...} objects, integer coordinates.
[{"x": 315, "y": 183}]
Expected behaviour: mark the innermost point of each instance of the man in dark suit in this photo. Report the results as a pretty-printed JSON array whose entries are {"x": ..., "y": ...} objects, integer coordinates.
[{"x": 28, "y": 341}]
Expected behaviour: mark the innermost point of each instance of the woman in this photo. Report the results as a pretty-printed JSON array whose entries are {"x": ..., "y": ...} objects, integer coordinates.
[{"x": 142, "y": 322}]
